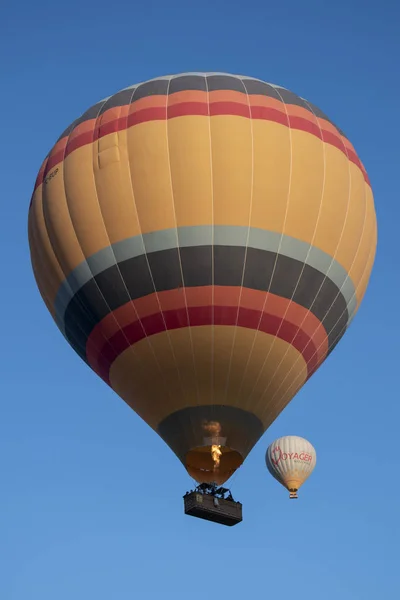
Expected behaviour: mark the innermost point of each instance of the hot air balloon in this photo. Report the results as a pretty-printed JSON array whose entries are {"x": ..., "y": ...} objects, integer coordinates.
[
  {"x": 291, "y": 460},
  {"x": 203, "y": 241}
]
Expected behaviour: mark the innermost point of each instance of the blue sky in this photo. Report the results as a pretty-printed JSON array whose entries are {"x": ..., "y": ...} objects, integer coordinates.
[{"x": 82, "y": 513}]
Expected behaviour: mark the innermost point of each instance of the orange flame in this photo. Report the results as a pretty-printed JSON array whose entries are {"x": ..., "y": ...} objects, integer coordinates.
[{"x": 216, "y": 455}]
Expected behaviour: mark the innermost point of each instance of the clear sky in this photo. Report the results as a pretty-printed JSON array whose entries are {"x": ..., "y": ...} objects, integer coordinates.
[{"x": 90, "y": 498}]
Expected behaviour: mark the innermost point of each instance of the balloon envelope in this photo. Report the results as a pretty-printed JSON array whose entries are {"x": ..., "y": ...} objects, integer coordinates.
[
  {"x": 203, "y": 241},
  {"x": 291, "y": 460}
]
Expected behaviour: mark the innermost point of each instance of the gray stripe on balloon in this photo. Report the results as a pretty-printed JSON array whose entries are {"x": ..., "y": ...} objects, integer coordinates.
[{"x": 202, "y": 235}]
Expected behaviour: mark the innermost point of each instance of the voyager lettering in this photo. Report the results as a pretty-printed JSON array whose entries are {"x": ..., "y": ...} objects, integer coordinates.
[{"x": 278, "y": 455}]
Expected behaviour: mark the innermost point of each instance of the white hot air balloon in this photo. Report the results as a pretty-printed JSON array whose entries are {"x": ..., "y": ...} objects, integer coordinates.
[{"x": 291, "y": 460}]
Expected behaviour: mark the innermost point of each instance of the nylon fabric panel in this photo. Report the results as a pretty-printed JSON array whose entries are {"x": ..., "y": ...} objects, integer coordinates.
[
  {"x": 49, "y": 279},
  {"x": 306, "y": 186},
  {"x": 75, "y": 225},
  {"x": 233, "y": 174},
  {"x": 191, "y": 173},
  {"x": 152, "y": 181},
  {"x": 83, "y": 202},
  {"x": 141, "y": 276},
  {"x": 191, "y": 183},
  {"x": 175, "y": 300},
  {"x": 81, "y": 175},
  {"x": 202, "y": 316},
  {"x": 368, "y": 264},
  {"x": 366, "y": 243},
  {"x": 296, "y": 384},
  {"x": 113, "y": 180},
  {"x": 138, "y": 386},
  {"x": 192, "y": 238},
  {"x": 335, "y": 201},
  {"x": 231, "y": 148},
  {"x": 271, "y": 175},
  {"x": 151, "y": 176},
  {"x": 355, "y": 219},
  {"x": 59, "y": 225}
]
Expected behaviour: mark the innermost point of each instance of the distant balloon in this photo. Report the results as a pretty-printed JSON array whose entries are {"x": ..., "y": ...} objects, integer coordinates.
[
  {"x": 203, "y": 241},
  {"x": 291, "y": 460}
]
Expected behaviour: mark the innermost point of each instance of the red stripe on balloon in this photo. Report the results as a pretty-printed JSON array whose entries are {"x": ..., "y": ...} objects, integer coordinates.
[
  {"x": 157, "y": 113},
  {"x": 198, "y": 316}
]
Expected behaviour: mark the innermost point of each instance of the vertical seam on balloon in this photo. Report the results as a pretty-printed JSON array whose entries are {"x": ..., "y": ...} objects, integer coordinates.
[
  {"x": 334, "y": 254},
  {"x": 375, "y": 237},
  {"x": 365, "y": 229},
  {"x": 34, "y": 247},
  {"x": 285, "y": 450},
  {"x": 277, "y": 252},
  {"x": 80, "y": 303},
  {"x": 36, "y": 276},
  {"x": 274, "y": 472},
  {"x": 181, "y": 269},
  {"x": 339, "y": 335},
  {"x": 271, "y": 379},
  {"x": 247, "y": 240},
  {"x": 71, "y": 337},
  {"x": 344, "y": 282},
  {"x": 39, "y": 249},
  {"x": 342, "y": 331},
  {"x": 35, "y": 252},
  {"x": 145, "y": 252},
  {"x": 39, "y": 244},
  {"x": 129, "y": 346},
  {"x": 212, "y": 246},
  {"x": 177, "y": 242},
  {"x": 47, "y": 302}
]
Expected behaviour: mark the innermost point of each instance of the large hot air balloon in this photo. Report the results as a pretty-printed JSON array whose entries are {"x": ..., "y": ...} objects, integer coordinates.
[
  {"x": 203, "y": 242},
  {"x": 291, "y": 460}
]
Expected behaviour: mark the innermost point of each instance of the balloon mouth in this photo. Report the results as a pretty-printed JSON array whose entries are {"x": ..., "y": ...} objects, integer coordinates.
[
  {"x": 292, "y": 485},
  {"x": 201, "y": 466}
]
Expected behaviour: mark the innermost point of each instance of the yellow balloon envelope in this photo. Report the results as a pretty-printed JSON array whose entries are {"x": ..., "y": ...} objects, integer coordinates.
[{"x": 203, "y": 241}]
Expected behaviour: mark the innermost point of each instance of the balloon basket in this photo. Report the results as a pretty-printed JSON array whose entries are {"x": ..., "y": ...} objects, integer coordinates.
[{"x": 214, "y": 504}]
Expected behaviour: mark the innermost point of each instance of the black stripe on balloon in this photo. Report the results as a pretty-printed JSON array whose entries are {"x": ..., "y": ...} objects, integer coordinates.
[
  {"x": 180, "y": 83},
  {"x": 131, "y": 279}
]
